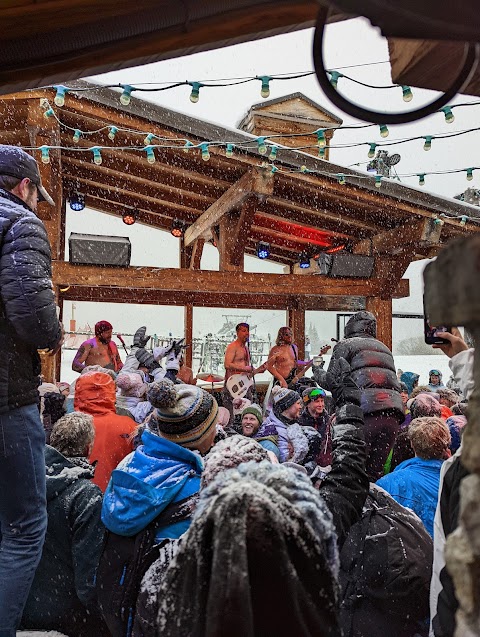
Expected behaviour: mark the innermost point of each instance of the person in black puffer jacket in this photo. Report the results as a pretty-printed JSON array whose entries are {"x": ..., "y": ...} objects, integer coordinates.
[
  {"x": 28, "y": 321},
  {"x": 373, "y": 370}
]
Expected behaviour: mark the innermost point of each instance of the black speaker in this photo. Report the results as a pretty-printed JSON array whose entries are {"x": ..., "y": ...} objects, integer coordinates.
[
  {"x": 344, "y": 264},
  {"x": 92, "y": 249}
]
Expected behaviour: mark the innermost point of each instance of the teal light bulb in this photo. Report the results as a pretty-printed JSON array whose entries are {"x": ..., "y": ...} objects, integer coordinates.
[
  {"x": 378, "y": 181},
  {"x": 229, "y": 150},
  {"x": 384, "y": 132},
  {"x": 45, "y": 150},
  {"x": 195, "y": 94},
  {"x": 49, "y": 113},
  {"x": 341, "y": 179},
  {"x": 76, "y": 135},
  {"x": 449, "y": 116},
  {"x": 321, "y": 152},
  {"x": 60, "y": 95},
  {"x": 97, "y": 157},
  {"x": 463, "y": 220},
  {"x": 407, "y": 94},
  {"x": 428, "y": 143},
  {"x": 112, "y": 131},
  {"x": 371, "y": 151},
  {"x": 321, "y": 141},
  {"x": 205, "y": 152},
  {"x": 469, "y": 174},
  {"x": 148, "y": 139},
  {"x": 150, "y": 154},
  {"x": 126, "y": 95},
  {"x": 187, "y": 147},
  {"x": 334, "y": 77},
  {"x": 262, "y": 147},
  {"x": 265, "y": 91},
  {"x": 421, "y": 179},
  {"x": 273, "y": 153}
]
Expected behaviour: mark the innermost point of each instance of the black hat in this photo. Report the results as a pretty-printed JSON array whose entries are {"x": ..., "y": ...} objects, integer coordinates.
[{"x": 15, "y": 162}]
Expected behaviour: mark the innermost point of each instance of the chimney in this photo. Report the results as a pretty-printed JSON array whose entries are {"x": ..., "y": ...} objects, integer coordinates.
[{"x": 292, "y": 114}]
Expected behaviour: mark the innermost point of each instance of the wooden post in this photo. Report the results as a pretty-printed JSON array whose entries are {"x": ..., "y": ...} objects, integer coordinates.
[
  {"x": 296, "y": 322},
  {"x": 227, "y": 242},
  {"x": 188, "y": 334},
  {"x": 382, "y": 310}
]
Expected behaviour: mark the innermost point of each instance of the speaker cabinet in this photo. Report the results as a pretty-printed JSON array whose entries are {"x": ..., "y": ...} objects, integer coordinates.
[
  {"x": 344, "y": 264},
  {"x": 92, "y": 249}
]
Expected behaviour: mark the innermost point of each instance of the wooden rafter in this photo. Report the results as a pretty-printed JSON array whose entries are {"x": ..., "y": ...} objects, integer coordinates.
[{"x": 424, "y": 232}]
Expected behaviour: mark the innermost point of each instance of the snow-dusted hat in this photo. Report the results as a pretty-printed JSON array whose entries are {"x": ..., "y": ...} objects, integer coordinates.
[
  {"x": 254, "y": 409},
  {"x": 283, "y": 398},
  {"x": 229, "y": 453},
  {"x": 130, "y": 384},
  {"x": 183, "y": 413}
]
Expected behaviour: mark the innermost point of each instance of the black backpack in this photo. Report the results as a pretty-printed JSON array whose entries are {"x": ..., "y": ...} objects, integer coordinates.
[
  {"x": 123, "y": 564},
  {"x": 385, "y": 571}
]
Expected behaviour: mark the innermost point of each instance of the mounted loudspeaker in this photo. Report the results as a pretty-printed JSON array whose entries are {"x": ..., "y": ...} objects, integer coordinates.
[
  {"x": 92, "y": 249},
  {"x": 344, "y": 264}
]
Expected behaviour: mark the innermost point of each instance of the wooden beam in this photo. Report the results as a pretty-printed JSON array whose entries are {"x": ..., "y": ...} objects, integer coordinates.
[
  {"x": 259, "y": 182},
  {"x": 419, "y": 232},
  {"x": 196, "y": 257},
  {"x": 242, "y": 231},
  {"x": 296, "y": 322},
  {"x": 216, "y": 282},
  {"x": 188, "y": 320},
  {"x": 226, "y": 243},
  {"x": 382, "y": 310}
]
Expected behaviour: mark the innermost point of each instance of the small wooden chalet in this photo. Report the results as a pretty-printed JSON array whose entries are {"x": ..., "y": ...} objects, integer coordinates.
[{"x": 237, "y": 198}]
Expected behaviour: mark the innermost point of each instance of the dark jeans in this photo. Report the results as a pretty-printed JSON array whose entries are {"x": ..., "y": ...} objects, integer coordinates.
[
  {"x": 23, "y": 510},
  {"x": 380, "y": 433}
]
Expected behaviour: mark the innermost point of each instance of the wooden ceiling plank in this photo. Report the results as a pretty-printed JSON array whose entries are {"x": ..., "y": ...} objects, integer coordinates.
[
  {"x": 424, "y": 232},
  {"x": 197, "y": 251},
  {"x": 258, "y": 182}
]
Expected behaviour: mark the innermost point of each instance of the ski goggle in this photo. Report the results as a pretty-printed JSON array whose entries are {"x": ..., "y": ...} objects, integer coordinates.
[
  {"x": 314, "y": 394},
  {"x": 434, "y": 372}
]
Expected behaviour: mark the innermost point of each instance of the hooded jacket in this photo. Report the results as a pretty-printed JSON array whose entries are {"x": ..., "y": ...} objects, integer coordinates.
[
  {"x": 414, "y": 484},
  {"x": 157, "y": 474},
  {"x": 373, "y": 368},
  {"x": 95, "y": 395},
  {"x": 28, "y": 318},
  {"x": 63, "y": 587},
  {"x": 410, "y": 379}
]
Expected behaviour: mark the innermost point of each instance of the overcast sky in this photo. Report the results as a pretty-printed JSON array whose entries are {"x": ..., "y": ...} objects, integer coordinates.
[{"x": 349, "y": 43}]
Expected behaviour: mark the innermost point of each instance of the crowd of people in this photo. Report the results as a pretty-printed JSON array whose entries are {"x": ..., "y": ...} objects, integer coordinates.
[{"x": 156, "y": 510}]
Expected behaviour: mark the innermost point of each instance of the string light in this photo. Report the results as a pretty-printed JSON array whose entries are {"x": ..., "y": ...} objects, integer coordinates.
[
  {"x": 265, "y": 90},
  {"x": 59, "y": 98},
  {"x": 428, "y": 142},
  {"x": 341, "y": 179},
  {"x": 273, "y": 153},
  {"x": 205, "y": 152},
  {"x": 407, "y": 93},
  {"x": 148, "y": 139},
  {"x": 45, "y": 157},
  {"x": 112, "y": 131},
  {"x": 463, "y": 220},
  {"x": 321, "y": 153},
  {"x": 195, "y": 94},
  {"x": 334, "y": 77},
  {"x": 49, "y": 112},
  {"x": 97, "y": 156},
  {"x": 321, "y": 141},
  {"x": 229, "y": 150},
  {"x": 76, "y": 135},
  {"x": 469, "y": 174},
  {"x": 421, "y": 179},
  {"x": 262, "y": 147},
  {"x": 187, "y": 146},
  {"x": 126, "y": 95},
  {"x": 378, "y": 181},
  {"x": 372, "y": 150},
  {"x": 384, "y": 132},
  {"x": 150, "y": 154},
  {"x": 449, "y": 116}
]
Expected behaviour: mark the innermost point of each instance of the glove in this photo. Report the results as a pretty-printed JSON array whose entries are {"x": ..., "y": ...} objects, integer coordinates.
[
  {"x": 160, "y": 352},
  {"x": 146, "y": 359},
  {"x": 140, "y": 339},
  {"x": 340, "y": 383},
  {"x": 174, "y": 355}
]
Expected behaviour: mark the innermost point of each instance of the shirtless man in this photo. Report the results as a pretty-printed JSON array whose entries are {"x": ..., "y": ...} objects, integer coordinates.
[
  {"x": 283, "y": 362},
  {"x": 237, "y": 361},
  {"x": 99, "y": 350}
]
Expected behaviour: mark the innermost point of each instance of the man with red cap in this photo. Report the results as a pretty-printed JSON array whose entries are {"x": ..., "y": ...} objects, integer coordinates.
[{"x": 99, "y": 350}]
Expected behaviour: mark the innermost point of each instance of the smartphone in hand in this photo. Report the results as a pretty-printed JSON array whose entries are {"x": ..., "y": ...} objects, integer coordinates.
[{"x": 431, "y": 333}]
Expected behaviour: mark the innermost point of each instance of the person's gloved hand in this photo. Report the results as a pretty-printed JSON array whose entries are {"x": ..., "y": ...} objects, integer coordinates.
[
  {"x": 140, "y": 338},
  {"x": 146, "y": 359},
  {"x": 174, "y": 355},
  {"x": 160, "y": 352},
  {"x": 340, "y": 383}
]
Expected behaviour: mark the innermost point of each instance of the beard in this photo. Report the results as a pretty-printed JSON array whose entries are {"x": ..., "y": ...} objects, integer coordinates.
[{"x": 105, "y": 341}]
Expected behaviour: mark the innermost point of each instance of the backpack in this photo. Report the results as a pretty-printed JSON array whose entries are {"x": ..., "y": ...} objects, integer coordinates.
[
  {"x": 123, "y": 563},
  {"x": 385, "y": 571}
]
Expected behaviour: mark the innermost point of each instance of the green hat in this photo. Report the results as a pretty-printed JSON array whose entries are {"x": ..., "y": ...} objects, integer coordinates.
[{"x": 254, "y": 409}]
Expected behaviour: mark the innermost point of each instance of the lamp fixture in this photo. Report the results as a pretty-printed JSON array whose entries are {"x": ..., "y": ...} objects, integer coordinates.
[
  {"x": 263, "y": 250},
  {"x": 178, "y": 228},
  {"x": 129, "y": 217},
  {"x": 304, "y": 260},
  {"x": 76, "y": 201}
]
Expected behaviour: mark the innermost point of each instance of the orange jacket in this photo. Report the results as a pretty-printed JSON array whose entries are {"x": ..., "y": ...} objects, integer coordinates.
[
  {"x": 95, "y": 395},
  {"x": 446, "y": 412}
]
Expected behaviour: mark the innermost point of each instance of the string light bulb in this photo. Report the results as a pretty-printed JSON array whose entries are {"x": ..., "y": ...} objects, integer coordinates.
[
  {"x": 205, "y": 151},
  {"x": 229, "y": 150},
  {"x": 463, "y": 220},
  {"x": 148, "y": 139},
  {"x": 49, "y": 112},
  {"x": 273, "y": 153},
  {"x": 150, "y": 154},
  {"x": 407, "y": 93},
  {"x": 321, "y": 153},
  {"x": 59, "y": 98},
  {"x": 449, "y": 116},
  {"x": 304, "y": 170},
  {"x": 341, "y": 179},
  {"x": 76, "y": 135},
  {"x": 97, "y": 156},
  {"x": 195, "y": 94},
  {"x": 112, "y": 131},
  {"x": 262, "y": 147},
  {"x": 378, "y": 181},
  {"x": 334, "y": 77},
  {"x": 45, "y": 157},
  {"x": 273, "y": 170},
  {"x": 126, "y": 95},
  {"x": 187, "y": 146},
  {"x": 428, "y": 142},
  {"x": 321, "y": 141},
  {"x": 469, "y": 174},
  {"x": 421, "y": 179},
  {"x": 265, "y": 90},
  {"x": 372, "y": 150},
  {"x": 384, "y": 132}
]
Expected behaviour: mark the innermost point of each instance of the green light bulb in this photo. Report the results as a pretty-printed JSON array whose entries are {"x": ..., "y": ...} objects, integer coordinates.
[
  {"x": 273, "y": 153},
  {"x": 469, "y": 174},
  {"x": 45, "y": 150},
  {"x": 421, "y": 179},
  {"x": 428, "y": 143},
  {"x": 378, "y": 181},
  {"x": 229, "y": 150},
  {"x": 60, "y": 95},
  {"x": 321, "y": 141},
  {"x": 97, "y": 157},
  {"x": 150, "y": 154},
  {"x": 372, "y": 149},
  {"x": 384, "y": 132},
  {"x": 407, "y": 94},
  {"x": 76, "y": 135},
  {"x": 125, "y": 96},
  {"x": 265, "y": 91},
  {"x": 195, "y": 94},
  {"x": 205, "y": 152},
  {"x": 262, "y": 147},
  {"x": 341, "y": 179},
  {"x": 449, "y": 116},
  {"x": 112, "y": 132}
]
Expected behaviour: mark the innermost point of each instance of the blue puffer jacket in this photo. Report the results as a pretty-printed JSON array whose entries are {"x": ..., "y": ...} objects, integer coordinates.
[
  {"x": 158, "y": 473},
  {"x": 414, "y": 484},
  {"x": 28, "y": 319},
  {"x": 373, "y": 368}
]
